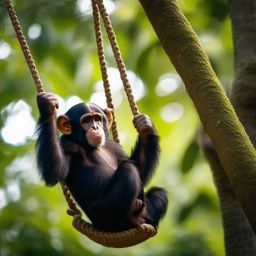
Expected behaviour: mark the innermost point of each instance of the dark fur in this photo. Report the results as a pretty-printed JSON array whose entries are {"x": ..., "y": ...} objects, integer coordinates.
[{"x": 105, "y": 185}]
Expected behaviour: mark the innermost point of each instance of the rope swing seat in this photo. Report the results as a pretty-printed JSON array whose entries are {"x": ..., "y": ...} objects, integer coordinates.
[{"x": 124, "y": 238}]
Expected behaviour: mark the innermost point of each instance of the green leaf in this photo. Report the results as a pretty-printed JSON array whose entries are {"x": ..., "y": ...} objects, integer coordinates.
[{"x": 190, "y": 156}]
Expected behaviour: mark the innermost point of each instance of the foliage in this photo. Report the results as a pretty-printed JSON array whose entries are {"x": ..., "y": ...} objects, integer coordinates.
[{"x": 32, "y": 217}]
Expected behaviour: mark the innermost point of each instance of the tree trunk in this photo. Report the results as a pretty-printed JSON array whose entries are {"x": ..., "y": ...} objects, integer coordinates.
[
  {"x": 231, "y": 142},
  {"x": 238, "y": 234},
  {"x": 243, "y": 96}
]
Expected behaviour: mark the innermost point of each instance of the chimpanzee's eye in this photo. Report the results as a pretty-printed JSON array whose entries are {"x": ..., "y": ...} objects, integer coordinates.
[
  {"x": 97, "y": 118},
  {"x": 86, "y": 120}
]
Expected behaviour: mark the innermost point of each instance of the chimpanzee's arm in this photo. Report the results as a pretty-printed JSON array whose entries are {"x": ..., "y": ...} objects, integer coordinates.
[
  {"x": 52, "y": 163},
  {"x": 146, "y": 152}
]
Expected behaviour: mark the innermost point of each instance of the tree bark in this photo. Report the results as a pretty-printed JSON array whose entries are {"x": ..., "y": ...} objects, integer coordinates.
[
  {"x": 231, "y": 142},
  {"x": 243, "y": 94},
  {"x": 239, "y": 237}
]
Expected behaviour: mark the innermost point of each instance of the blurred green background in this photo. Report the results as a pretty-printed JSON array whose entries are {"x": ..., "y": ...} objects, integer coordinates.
[{"x": 60, "y": 33}]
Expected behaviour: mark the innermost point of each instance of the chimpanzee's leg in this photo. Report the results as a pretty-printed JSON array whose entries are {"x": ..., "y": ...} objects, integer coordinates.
[
  {"x": 156, "y": 205},
  {"x": 113, "y": 208}
]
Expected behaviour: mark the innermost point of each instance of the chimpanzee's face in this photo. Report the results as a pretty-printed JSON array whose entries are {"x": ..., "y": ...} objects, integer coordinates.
[{"x": 88, "y": 124}]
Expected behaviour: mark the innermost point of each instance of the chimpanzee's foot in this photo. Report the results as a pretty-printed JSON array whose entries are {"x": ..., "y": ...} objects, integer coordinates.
[{"x": 138, "y": 215}]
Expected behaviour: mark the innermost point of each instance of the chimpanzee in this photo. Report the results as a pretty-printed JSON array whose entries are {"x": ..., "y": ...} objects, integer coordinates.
[{"x": 105, "y": 182}]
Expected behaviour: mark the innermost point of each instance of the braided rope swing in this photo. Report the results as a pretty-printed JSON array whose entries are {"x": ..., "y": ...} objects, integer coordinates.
[{"x": 125, "y": 238}]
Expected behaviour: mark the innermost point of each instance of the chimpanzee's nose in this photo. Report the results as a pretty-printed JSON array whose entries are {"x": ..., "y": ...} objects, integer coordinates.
[{"x": 94, "y": 126}]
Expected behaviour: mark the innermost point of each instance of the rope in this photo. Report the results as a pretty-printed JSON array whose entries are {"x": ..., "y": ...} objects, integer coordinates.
[
  {"x": 24, "y": 45},
  {"x": 103, "y": 66},
  {"x": 33, "y": 70},
  {"x": 73, "y": 209},
  {"x": 112, "y": 38},
  {"x": 117, "y": 55}
]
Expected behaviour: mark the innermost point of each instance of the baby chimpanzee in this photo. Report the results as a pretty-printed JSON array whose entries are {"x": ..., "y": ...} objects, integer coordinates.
[{"x": 105, "y": 182}]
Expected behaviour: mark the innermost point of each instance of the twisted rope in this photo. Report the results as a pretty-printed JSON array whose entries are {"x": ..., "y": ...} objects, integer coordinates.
[
  {"x": 33, "y": 70},
  {"x": 73, "y": 209},
  {"x": 103, "y": 66},
  {"x": 24, "y": 45},
  {"x": 117, "y": 55}
]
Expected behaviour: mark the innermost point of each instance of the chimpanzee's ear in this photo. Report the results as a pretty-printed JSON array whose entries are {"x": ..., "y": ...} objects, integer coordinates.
[
  {"x": 109, "y": 112},
  {"x": 64, "y": 125}
]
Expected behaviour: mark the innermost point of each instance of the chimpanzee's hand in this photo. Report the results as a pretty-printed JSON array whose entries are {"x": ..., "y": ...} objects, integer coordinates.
[
  {"x": 47, "y": 103},
  {"x": 144, "y": 125}
]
